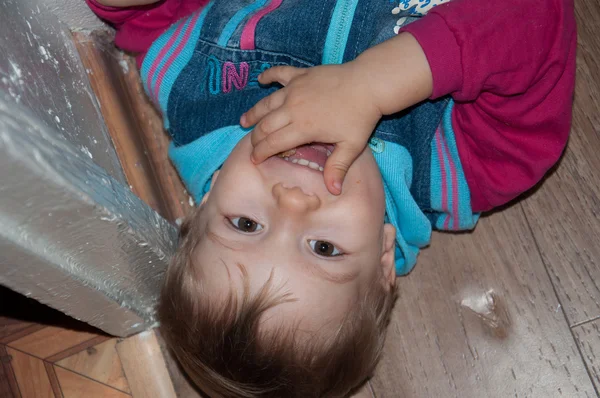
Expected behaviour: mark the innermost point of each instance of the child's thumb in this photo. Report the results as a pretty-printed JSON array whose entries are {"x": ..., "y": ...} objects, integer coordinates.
[{"x": 337, "y": 166}]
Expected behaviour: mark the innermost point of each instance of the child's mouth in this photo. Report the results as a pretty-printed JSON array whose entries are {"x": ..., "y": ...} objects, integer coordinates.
[{"x": 314, "y": 156}]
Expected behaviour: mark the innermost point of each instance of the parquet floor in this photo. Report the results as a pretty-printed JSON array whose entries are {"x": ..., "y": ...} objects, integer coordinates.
[
  {"x": 511, "y": 310},
  {"x": 45, "y": 354}
]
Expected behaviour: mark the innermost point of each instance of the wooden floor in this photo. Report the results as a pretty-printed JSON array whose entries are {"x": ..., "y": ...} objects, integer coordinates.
[
  {"x": 511, "y": 310},
  {"x": 45, "y": 354}
]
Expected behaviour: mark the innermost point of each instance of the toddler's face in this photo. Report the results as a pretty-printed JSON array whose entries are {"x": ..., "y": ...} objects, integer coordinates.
[{"x": 278, "y": 217}]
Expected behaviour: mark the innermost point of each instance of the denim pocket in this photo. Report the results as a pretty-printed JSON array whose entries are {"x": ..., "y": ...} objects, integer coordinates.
[{"x": 217, "y": 86}]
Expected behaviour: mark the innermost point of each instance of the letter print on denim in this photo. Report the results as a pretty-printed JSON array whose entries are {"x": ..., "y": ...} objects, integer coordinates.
[
  {"x": 232, "y": 77},
  {"x": 223, "y": 77}
]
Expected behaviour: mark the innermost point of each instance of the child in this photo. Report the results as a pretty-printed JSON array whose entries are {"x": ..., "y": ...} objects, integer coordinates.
[{"x": 283, "y": 284}]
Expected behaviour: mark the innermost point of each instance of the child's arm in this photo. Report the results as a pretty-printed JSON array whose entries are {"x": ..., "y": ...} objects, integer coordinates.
[
  {"x": 339, "y": 104},
  {"x": 139, "y": 22},
  {"x": 126, "y": 3},
  {"x": 510, "y": 66}
]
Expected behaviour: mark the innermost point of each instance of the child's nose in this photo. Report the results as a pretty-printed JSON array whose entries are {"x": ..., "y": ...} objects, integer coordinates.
[{"x": 294, "y": 199}]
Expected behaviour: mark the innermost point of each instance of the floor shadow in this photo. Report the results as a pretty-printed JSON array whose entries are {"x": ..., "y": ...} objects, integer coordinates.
[{"x": 18, "y": 308}]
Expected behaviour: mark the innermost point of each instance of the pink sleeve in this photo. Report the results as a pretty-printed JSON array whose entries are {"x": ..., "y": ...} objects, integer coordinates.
[
  {"x": 138, "y": 27},
  {"x": 510, "y": 67}
]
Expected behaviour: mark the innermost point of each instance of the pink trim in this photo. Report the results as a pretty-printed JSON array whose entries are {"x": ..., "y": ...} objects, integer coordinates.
[
  {"x": 159, "y": 59},
  {"x": 247, "y": 39},
  {"x": 173, "y": 57},
  {"x": 455, "y": 213},
  {"x": 438, "y": 144}
]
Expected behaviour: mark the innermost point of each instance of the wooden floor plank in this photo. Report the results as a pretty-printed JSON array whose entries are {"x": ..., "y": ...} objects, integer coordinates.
[
  {"x": 10, "y": 326},
  {"x": 5, "y": 387},
  {"x": 18, "y": 330},
  {"x": 134, "y": 125},
  {"x": 478, "y": 318},
  {"x": 156, "y": 143},
  {"x": 51, "y": 372},
  {"x": 588, "y": 337},
  {"x": 78, "y": 348},
  {"x": 182, "y": 385},
  {"x": 74, "y": 385},
  {"x": 51, "y": 340},
  {"x": 8, "y": 382},
  {"x": 145, "y": 367},
  {"x": 31, "y": 375},
  {"x": 100, "y": 362},
  {"x": 565, "y": 212},
  {"x": 106, "y": 78}
]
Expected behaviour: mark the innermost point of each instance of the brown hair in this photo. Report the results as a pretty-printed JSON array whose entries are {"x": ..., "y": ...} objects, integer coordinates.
[{"x": 222, "y": 351}]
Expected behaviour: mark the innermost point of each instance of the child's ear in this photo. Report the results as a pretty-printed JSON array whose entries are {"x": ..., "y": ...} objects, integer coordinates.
[
  {"x": 388, "y": 256},
  {"x": 212, "y": 184},
  {"x": 214, "y": 178},
  {"x": 204, "y": 198}
]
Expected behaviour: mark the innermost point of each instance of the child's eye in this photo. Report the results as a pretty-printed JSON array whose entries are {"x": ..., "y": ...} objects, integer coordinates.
[
  {"x": 245, "y": 224},
  {"x": 323, "y": 248}
]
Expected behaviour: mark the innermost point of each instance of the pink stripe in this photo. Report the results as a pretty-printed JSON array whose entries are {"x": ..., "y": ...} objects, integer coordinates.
[
  {"x": 440, "y": 154},
  {"x": 247, "y": 39},
  {"x": 455, "y": 213},
  {"x": 160, "y": 57},
  {"x": 173, "y": 57}
]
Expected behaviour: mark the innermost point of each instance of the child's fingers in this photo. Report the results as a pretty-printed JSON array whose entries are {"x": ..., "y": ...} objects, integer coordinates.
[
  {"x": 280, "y": 74},
  {"x": 277, "y": 142},
  {"x": 262, "y": 108},
  {"x": 269, "y": 124},
  {"x": 337, "y": 166}
]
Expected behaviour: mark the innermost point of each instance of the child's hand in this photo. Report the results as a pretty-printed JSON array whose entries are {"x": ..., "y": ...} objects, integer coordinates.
[
  {"x": 330, "y": 104},
  {"x": 339, "y": 104}
]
